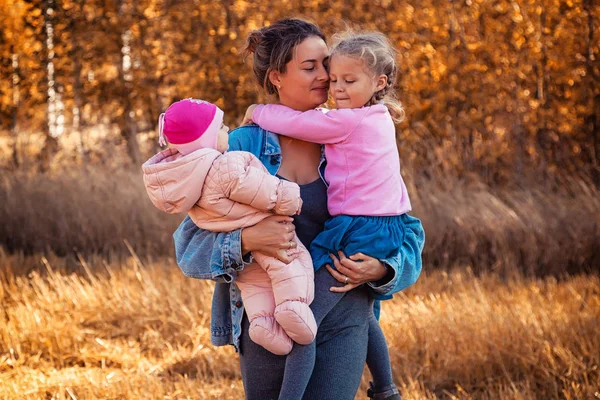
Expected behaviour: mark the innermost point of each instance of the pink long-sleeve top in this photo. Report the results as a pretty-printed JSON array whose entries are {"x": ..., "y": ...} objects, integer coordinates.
[{"x": 363, "y": 166}]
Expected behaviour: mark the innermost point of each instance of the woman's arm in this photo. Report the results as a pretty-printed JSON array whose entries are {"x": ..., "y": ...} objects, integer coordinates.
[
  {"x": 204, "y": 254},
  {"x": 356, "y": 270},
  {"x": 273, "y": 236},
  {"x": 384, "y": 277},
  {"x": 403, "y": 271}
]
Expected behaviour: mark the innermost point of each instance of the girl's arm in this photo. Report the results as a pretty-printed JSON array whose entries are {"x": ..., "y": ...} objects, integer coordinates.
[{"x": 312, "y": 126}]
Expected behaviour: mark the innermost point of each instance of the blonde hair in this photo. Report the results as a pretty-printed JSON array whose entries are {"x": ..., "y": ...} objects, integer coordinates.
[{"x": 379, "y": 57}]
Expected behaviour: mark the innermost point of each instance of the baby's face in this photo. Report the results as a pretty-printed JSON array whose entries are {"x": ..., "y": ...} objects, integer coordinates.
[{"x": 223, "y": 139}]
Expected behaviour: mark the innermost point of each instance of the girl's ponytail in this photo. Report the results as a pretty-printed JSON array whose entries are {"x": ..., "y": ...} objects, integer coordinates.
[{"x": 387, "y": 96}]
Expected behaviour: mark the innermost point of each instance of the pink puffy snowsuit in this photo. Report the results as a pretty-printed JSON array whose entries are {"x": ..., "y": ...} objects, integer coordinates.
[{"x": 223, "y": 192}]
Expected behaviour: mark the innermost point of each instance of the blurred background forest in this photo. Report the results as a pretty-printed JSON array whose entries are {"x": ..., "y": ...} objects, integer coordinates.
[
  {"x": 500, "y": 151},
  {"x": 500, "y": 147},
  {"x": 500, "y": 89}
]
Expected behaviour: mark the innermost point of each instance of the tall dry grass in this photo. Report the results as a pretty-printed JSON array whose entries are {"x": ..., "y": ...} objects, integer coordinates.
[
  {"x": 534, "y": 229},
  {"x": 128, "y": 331},
  {"x": 82, "y": 210}
]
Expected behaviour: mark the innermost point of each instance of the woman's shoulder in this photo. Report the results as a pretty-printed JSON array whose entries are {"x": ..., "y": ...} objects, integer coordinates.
[
  {"x": 245, "y": 137},
  {"x": 245, "y": 130},
  {"x": 252, "y": 138}
]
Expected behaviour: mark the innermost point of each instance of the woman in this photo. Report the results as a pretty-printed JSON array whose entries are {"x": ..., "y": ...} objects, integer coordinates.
[{"x": 290, "y": 59}]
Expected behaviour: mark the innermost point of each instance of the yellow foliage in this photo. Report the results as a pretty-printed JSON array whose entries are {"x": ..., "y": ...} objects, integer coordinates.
[{"x": 453, "y": 56}]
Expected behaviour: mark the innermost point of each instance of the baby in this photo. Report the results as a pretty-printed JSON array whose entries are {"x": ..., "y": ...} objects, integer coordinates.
[{"x": 222, "y": 192}]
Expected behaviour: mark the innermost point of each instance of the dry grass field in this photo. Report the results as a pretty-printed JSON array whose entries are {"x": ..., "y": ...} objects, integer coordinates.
[
  {"x": 508, "y": 306},
  {"x": 540, "y": 229},
  {"x": 133, "y": 330}
]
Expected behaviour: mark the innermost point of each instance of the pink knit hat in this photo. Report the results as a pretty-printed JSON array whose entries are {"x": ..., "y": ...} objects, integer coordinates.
[{"x": 190, "y": 125}]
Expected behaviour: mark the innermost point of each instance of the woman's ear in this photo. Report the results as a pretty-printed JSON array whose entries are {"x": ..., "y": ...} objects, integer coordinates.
[
  {"x": 381, "y": 82},
  {"x": 275, "y": 78}
]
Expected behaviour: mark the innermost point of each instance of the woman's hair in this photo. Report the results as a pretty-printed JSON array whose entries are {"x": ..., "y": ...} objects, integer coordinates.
[
  {"x": 379, "y": 57},
  {"x": 273, "y": 47}
]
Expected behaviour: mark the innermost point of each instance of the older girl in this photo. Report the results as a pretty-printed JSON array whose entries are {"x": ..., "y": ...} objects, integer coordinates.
[
  {"x": 290, "y": 59},
  {"x": 366, "y": 196}
]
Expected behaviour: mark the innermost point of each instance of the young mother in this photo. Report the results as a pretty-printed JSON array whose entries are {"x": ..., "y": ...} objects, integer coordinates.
[{"x": 290, "y": 62}]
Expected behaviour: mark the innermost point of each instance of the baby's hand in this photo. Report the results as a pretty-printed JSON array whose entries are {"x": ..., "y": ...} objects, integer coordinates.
[{"x": 248, "y": 117}]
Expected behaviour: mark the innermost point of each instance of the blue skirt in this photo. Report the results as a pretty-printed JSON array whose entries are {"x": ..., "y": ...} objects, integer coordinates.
[{"x": 378, "y": 237}]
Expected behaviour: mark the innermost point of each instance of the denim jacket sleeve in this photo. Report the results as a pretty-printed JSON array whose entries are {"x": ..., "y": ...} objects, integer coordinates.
[
  {"x": 405, "y": 267},
  {"x": 392, "y": 282},
  {"x": 203, "y": 254}
]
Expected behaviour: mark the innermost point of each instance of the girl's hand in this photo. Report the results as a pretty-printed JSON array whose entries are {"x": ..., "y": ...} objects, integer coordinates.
[
  {"x": 273, "y": 236},
  {"x": 248, "y": 117},
  {"x": 355, "y": 270}
]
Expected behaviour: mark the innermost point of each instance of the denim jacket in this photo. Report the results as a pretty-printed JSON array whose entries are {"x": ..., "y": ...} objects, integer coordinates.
[{"x": 218, "y": 256}]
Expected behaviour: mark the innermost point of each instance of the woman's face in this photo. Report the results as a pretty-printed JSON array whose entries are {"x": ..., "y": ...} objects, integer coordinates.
[{"x": 305, "y": 83}]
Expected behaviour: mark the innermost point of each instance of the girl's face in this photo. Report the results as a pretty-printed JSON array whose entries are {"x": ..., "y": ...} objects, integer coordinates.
[
  {"x": 305, "y": 82},
  {"x": 223, "y": 139},
  {"x": 352, "y": 84}
]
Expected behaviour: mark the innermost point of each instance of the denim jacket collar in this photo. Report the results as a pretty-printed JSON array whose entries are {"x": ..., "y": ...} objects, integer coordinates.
[{"x": 271, "y": 145}]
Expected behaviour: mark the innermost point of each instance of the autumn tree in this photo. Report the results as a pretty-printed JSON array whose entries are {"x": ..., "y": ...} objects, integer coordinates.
[{"x": 498, "y": 89}]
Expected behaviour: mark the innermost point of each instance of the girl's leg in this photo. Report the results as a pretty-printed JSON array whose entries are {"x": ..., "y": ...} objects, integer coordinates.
[
  {"x": 341, "y": 349},
  {"x": 301, "y": 360},
  {"x": 378, "y": 361},
  {"x": 262, "y": 371}
]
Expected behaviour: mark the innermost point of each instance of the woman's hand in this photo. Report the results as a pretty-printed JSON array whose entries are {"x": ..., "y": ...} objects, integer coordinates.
[
  {"x": 273, "y": 236},
  {"x": 248, "y": 117},
  {"x": 355, "y": 270}
]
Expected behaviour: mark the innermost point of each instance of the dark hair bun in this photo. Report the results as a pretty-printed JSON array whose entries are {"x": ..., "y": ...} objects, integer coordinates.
[{"x": 253, "y": 41}]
